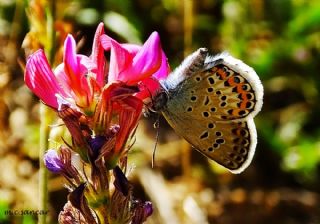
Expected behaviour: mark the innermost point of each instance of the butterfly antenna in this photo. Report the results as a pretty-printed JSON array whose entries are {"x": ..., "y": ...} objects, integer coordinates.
[{"x": 156, "y": 125}]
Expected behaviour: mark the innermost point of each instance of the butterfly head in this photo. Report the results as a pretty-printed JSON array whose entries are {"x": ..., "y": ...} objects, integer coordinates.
[{"x": 159, "y": 101}]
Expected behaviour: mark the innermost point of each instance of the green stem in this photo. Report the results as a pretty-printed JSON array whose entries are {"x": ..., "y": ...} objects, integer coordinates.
[
  {"x": 51, "y": 34},
  {"x": 188, "y": 30},
  {"x": 187, "y": 25},
  {"x": 43, "y": 173},
  {"x": 45, "y": 118}
]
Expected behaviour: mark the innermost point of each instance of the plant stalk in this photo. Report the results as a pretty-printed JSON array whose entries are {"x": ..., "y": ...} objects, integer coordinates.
[
  {"x": 43, "y": 172},
  {"x": 188, "y": 30},
  {"x": 45, "y": 117}
]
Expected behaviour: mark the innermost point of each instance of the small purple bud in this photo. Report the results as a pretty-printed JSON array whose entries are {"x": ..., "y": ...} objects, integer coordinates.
[
  {"x": 148, "y": 208},
  {"x": 96, "y": 143},
  {"x": 141, "y": 211},
  {"x": 52, "y": 161}
]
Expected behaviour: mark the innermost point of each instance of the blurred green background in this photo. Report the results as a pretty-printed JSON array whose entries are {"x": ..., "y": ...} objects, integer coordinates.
[{"x": 280, "y": 39}]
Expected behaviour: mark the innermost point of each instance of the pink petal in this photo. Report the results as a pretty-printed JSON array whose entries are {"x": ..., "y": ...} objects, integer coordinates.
[
  {"x": 132, "y": 48},
  {"x": 120, "y": 58},
  {"x": 61, "y": 76},
  {"x": 164, "y": 69},
  {"x": 106, "y": 43},
  {"x": 97, "y": 55},
  {"x": 146, "y": 62},
  {"x": 85, "y": 65},
  {"x": 76, "y": 67},
  {"x": 41, "y": 80},
  {"x": 71, "y": 66}
]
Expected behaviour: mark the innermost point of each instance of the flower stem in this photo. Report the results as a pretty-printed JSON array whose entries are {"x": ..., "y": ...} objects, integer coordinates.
[
  {"x": 43, "y": 172},
  {"x": 51, "y": 34},
  {"x": 45, "y": 118},
  {"x": 187, "y": 26},
  {"x": 188, "y": 30}
]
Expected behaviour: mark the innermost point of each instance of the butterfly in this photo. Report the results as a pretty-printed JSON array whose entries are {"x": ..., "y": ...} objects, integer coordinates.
[{"x": 211, "y": 102}]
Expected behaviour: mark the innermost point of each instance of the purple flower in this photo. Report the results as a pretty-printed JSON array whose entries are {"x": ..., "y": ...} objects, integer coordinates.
[
  {"x": 142, "y": 210},
  {"x": 96, "y": 143},
  {"x": 52, "y": 161},
  {"x": 148, "y": 208}
]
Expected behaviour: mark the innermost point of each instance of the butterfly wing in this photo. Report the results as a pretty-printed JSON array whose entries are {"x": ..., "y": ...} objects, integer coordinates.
[
  {"x": 231, "y": 144},
  {"x": 213, "y": 110},
  {"x": 221, "y": 92}
]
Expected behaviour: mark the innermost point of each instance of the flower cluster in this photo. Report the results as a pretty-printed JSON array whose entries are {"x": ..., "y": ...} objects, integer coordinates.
[{"x": 100, "y": 103}]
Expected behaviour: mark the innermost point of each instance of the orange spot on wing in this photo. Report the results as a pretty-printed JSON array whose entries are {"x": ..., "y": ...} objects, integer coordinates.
[
  {"x": 244, "y": 100},
  {"x": 214, "y": 69},
  {"x": 243, "y": 105},
  {"x": 240, "y": 90},
  {"x": 222, "y": 73}
]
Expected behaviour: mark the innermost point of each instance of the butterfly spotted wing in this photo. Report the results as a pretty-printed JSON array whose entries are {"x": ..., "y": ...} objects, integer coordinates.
[{"x": 211, "y": 102}]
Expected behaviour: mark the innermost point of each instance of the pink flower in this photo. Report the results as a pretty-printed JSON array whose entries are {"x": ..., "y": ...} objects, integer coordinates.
[
  {"x": 79, "y": 80},
  {"x": 74, "y": 82},
  {"x": 100, "y": 104},
  {"x": 133, "y": 64},
  {"x": 134, "y": 74}
]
